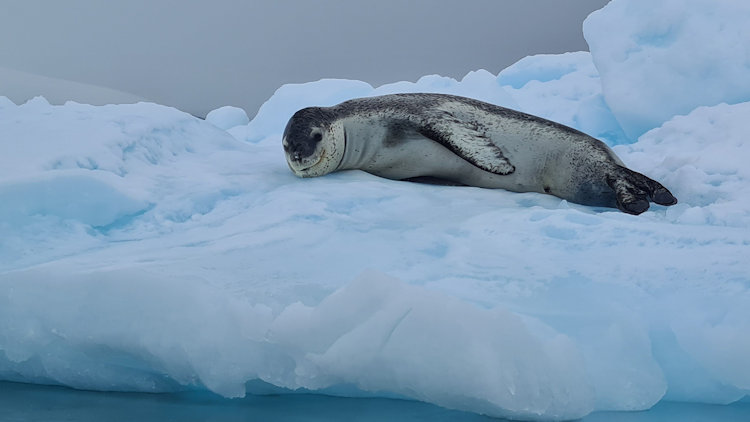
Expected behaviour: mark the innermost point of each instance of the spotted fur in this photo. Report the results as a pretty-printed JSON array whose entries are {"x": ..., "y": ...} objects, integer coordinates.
[{"x": 464, "y": 141}]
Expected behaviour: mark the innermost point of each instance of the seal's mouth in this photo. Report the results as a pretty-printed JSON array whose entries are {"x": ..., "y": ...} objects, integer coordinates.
[{"x": 303, "y": 164}]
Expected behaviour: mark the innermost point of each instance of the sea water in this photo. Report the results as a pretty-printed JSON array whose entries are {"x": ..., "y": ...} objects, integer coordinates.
[{"x": 36, "y": 403}]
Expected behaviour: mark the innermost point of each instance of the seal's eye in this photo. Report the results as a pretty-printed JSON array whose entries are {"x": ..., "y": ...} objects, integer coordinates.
[{"x": 317, "y": 137}]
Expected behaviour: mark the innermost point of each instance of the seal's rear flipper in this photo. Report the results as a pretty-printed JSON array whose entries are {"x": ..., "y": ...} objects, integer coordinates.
[
  {"x": 633, "y": 191},
  {"x": 655, "y": 190},
  {"x": 630, "y": 199},
  {"x": 663, "y": 196}
]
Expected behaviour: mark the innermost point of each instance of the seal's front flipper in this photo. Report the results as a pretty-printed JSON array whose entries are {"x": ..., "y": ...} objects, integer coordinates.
[{"x": 467, "y": 141}]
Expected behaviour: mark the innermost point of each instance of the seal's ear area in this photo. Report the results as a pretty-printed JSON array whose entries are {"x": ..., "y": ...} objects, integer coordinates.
[{"x": 467, "y": 141}]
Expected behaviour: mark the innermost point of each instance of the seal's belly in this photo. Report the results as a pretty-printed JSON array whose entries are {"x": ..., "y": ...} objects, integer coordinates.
[{"x": 419, "y": 156}]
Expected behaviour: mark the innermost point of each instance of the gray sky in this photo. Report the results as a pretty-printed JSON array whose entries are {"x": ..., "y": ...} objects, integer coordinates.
[{"x": 199, "y": 55}]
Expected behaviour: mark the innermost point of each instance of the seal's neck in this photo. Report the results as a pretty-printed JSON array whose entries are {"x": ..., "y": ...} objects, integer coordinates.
[{"x": 360, "y": 145}]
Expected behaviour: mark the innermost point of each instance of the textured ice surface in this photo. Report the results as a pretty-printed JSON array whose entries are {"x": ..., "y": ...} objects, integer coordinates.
[
  {"x": 143, "y": 249},
  {"x": 661, "y": 59},
  {"x": 157, "y": 253},
  {"x": 227, "y": 117},
  {"x": 565, "y": 88}
]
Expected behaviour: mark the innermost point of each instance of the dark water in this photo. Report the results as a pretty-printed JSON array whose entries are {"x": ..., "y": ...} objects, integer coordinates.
[{"x": 32, "y": 403}]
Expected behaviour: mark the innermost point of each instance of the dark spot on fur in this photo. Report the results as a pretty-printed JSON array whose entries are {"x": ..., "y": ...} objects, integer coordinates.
[{"x": 397, "y": 131}]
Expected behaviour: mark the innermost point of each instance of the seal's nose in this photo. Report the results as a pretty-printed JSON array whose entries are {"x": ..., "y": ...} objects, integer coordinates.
[{"x": 299, "y": 149}]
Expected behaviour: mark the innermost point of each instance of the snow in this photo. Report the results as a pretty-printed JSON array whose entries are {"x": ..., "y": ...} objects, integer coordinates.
[
  {"x": 565, "y": 88},
  {"x": 661, "y": 59},
  {"x": 143, "y": 249},
  {"x": 227, "y": 117}
]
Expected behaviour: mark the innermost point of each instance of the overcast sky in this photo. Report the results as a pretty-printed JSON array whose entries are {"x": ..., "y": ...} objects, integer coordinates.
[{"x": 199, "y": 55}]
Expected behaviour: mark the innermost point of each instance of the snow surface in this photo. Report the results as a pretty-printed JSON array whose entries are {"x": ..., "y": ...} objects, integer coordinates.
[
  {"x": 661, "y": 59},
  {"x": 143, "y": 249},
  {"x": 227, "y": 117}
]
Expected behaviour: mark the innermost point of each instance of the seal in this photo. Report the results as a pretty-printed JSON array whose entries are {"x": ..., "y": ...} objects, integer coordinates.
[{"x": 468, "y": 142}]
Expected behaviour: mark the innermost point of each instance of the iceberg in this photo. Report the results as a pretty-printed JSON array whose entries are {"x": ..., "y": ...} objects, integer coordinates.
[
  {"x": 661, "y": 60},
  {"x": 143, "y": 249}
]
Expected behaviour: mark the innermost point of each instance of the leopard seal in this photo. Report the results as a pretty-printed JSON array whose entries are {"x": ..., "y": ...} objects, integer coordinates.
[{"x": 468, "y": 142}]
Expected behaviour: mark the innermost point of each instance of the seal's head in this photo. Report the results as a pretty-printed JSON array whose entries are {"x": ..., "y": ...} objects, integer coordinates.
[{"x": 313, "y": 142}]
